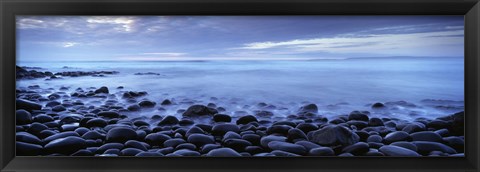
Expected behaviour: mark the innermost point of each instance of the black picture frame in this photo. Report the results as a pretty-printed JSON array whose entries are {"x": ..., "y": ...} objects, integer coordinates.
[{"x": 10, "y": 8}]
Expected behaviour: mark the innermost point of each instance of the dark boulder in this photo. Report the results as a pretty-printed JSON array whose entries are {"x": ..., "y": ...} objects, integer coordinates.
[
  {"x": 223, "y": 152},
  {"x": 199, "y": 110},
  {"x": 27, "y": 105},
  {"x": 168, "y": 120},
  {"x": 333, "y": 135},
  {"x": 221, "y": 129},
  {"x": 102, "y": 90},
  {"x": 23, "y": 117},
  {"x": 312, "y": 108},
  {"x": 27, "y": 149},
  {"x": 390, "y": 150},
  {"x": 121, "y": 135},
  {"x": 246, "y": 119},
  {"x": 66, "y": 146}
]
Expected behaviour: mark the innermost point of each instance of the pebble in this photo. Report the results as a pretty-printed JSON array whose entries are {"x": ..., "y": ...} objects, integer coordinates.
[
  {"x": 287, "y": 147},
  {"x": 333, "y": 135},
  {"x": 121, "y": 135},
  {"x": 221, "y": 129},
  {"x": 321, "y": 151},
  {"x": 390, "y": 150},
  {"x": 23, "y": 117},
  {"x": 223, "y": 152},
  {"x": 66, "y": 146}
]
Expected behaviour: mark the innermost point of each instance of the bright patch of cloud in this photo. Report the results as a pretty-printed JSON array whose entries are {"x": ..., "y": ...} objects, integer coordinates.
[
  {"x": 122, "y": 23},
  {"x": 69, "y": 44},
  {"x": 368, "y": 43},
  {"x": 165, "y": 54}
]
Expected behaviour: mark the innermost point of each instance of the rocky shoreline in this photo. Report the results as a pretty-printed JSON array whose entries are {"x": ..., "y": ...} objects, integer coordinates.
[{"x": 62, "y": 124}]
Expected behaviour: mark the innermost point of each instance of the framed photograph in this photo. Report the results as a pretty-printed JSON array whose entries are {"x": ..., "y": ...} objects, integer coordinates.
[{"x": 239, "y": 85}]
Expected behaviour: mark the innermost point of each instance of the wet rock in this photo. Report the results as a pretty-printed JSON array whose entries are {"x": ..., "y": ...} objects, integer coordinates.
[
  {"x": 134, "y": 108},
  {"x": 23, "y": 117},
  {"x": 173, "y": 142},
  {"x": 307, "y": 127},
  {"x": 283, "y": 153},
  {"x": 108, "y": 146},
  {"x": 147, "y": 104},
  {"x": 321, "y": 151},
  {"x": 60, "y": 135},
  {"x": 200, "y": 139},
  {"x": 378, "y": 105},
  {"x": 264, "y": 114},
  {"x": 280, "y": 129},
  {"x": 156, "y": 139},
  {"x": 27, "y": 149},
  {"x": 246, "y": 119},
  {"x": 359, "y": 148},
  {"x": 130, "y": 151},
  {"x": 237, "y": 144},
  {"x": 287, "y": 147},
  {"x": 414, "y": 127},
  {"x": 93, "y": 135},
  {"x": 43, "y": 118},
  {"x": 425, "y": 147},
  {"x": 375, "y": 122},
  {"x": 222, "y": 118},
  {"x": 455, "y": 142},
  {"x": 295, "y": 134},
  {"x": 27, "y": 138},
  {"x": 102, "y": 90},
  {"x": 221, "y": 129},
  {"x": 333, "y": 135},
  {"x": 186, "y": 152},
  {"x": 27, "y": 105},
  {"x": 109, "y": 114},
  {"x": 397, "y": 136},
  {"x": 375, "y": 138},
  {"x": 223, "y": 152},
  {"x": 426, "y": 136},
  {"x": 267, "y": 139},
  {"x": 252, "y": 138},
  {"x": 168, "y": 120},
  {"x": 390, "y": 150},
  {"x": 199, "y": 110},
  {"x": 307, "y": 144},
  {"x": 312, "y": 108},
  {"x": 121, "y": 135},
  {"x": 66, "y": 146},
  {"x": 96, "y": 122},
  {"x": 149, "y": 154},
  {"x": 357, "y": 115},
  {"x": 36, "y": 128},
  {"x": 166, "y": 102}
]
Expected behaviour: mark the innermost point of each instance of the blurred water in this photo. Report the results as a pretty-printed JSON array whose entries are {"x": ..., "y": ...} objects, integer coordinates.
[{"x": 355, "y": 81}]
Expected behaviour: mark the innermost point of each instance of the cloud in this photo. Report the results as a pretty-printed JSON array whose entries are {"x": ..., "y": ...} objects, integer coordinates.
[
  {"x": 125, "y": 24},
  {"x": 69, "y": 44},
  {"x": 367, "y": 43}
]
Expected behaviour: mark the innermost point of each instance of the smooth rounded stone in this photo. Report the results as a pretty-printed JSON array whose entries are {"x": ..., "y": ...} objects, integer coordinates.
[
  {"x": 27, "y": 149},
  {"x": 194, "y": 130},
  {"x": 333, "y": 135},
  {"x": 307, "y": 144},
  {"x": 109, "y": 114},
  {"x": 222, "y": 118},
  {"x": 186, "y": 122},
  {"x": 289, "y": 123},
  {"x": 425, "y": 147},
  {"x": 252, "y": 138},
  {"x": 321, "y": 151},
  {"x": 96, "y": 122},
  {"x": 168, "y": 120},
  {"x": 357, "y": 115},
  {"x": 130, "y": 151},
  {"x": 280, "y": 129},
  {"x": 93, "y": 135},
  {"x": 237, "y": 144},
  {"x": 66, "y": 146},
  {"x": 121, "y": 135},
  {"x": 27, "y": 105},
  {"x": 264, "y": 154},
  {"x": 231, "y": 135},
  {"x": 406, "y": 145},
  {"x": 455, "y": 142},
  {"x": 438, "y": 124},
  {"x": 102, "y": 90},
  {"x": 166, "y": 102},
  {"x": 59, "y": 108},
  {"x": 443, "y": 132},
  {"x": 390, "y": 150},
  {"x": 426, "y": 136},
  {"x": 375, "y": 145},
  {"x": 186, "y": 152},
  {"x": 42, "y": 118},
  {"x": 205, "y": 127},
  {"x": 390, "y": 124},
  {"x": 374, "y": 153},
  {"x": 375, "y": 138},
  {"x": 149, "y": 154},
  {"x": 113, "y": 152},
  {"x": 36, "y": 128},
  {"x": 81, "y": 130},
  {"x": 246, "y": 119},
  {"x": 307, "y": 127},
  {"x": 46, "y": 133},
  {"x": 296, "y": 134},
  {"x": 288, "y": 147},
  {"x": 134, "y": 108},
  {"x": 458, "y": 123},
  {"x": 397, "y": 136},
  {"x": 156, "y": 139},
  {"x": 139, "y": 123},
  {"x": 221, "y": 129},
  {"x": 69, "y": 127},
  {"x": 166, "y": 150},
  {"x": 358, "y": 124},
  {"x": 173, "y": 142},
  {"x": 108, "y": 146},
  {"x": 414, "y": 127},
  {"x": 83, "y": 152},
  {"x": 199, "y": 110},
  {"x": 135, "y": 144},
  {"x": 27, "y": 138},
  {"x": 267, "y": 139},
  {"x": 147, "y": 104},
  {"x": 223, "y": 152},
  {"x": 375, "y": 122},
  {"x": 308, "y": 108},
  {"x": 346, "y": 154},
  {"x": 283, "y": 153},
  {"x": 254, "y": 149},
  {"x": 208, "y": 147},
  {"x": 378, "y": 105},
  {"x": 359, "y": 148},
  {"x": 188, "y": 146},
  {"x": 60, "y": 135},
  {"x": 23, "y": 117},
  {"x": 53, "y": 104}
]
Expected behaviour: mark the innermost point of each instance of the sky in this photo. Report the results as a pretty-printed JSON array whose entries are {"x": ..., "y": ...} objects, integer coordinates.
[{"x": 105, "y": 38}]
